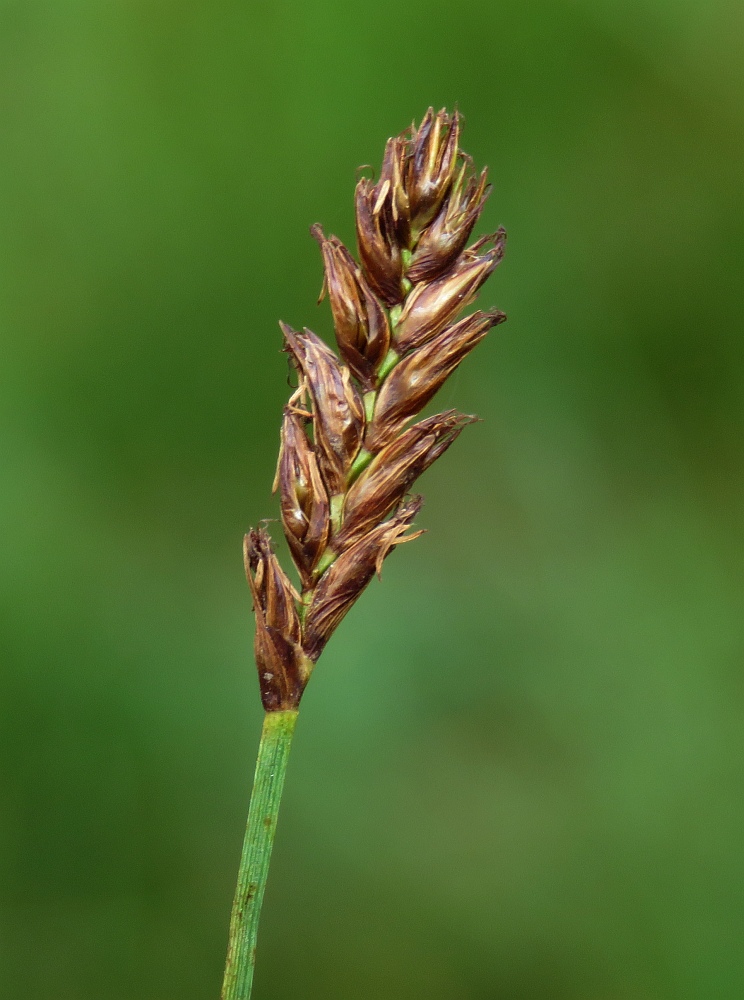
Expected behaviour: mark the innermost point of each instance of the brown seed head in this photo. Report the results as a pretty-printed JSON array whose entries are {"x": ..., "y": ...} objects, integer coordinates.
[
  {"x": 378, "y": 241},
  {"x": 432, "y": 164},
  {"x": 432, "y": 305},
  {"x": 391, "y": 186},
  {"x": 346, "y": 464},
  {"x": 362, "y": 330},
  {"x": 341, "y": 585},
  {"x": 394, "y": 470},
  {"x": 338, "y": 413},
  {"x": 303, "y": 496},
  {"x": 419, "y": 376},
  {"x": 283, "y": 668},
  {"x": 443, "y": 241}
]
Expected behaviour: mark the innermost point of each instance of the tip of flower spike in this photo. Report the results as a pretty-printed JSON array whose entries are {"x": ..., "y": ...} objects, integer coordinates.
[
  {"x": 316, "y": 231},
  {"x": 413, "y": 225},
  {"x": 402, "y": 520},
  {"x": 288, "y": 332},
  {"x": 497, "y": 241}
]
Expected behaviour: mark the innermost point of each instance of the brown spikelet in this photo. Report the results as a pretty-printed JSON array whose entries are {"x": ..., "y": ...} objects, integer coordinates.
[
  {"x": 303, "y": 497},
  {"x": 347, "y": 461},
  {"x": 420, "y": 375},
  {"x": 360, "y": 321},
  {"x": 342, "y": 584},
  {"x": 282, "y": 664},
  {"x": 338, "y": 414},
  {"x": 396, "y": 197},
  {"x": 431, "y": 164},
  {"x": 394, "y": 470},
  {"x": 376, "y": 238},
  {"x": 443, "y": 241},
  {"x": 432, "y": 305}
]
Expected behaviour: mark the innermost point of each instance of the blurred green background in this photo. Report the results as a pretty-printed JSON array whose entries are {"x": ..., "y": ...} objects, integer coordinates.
[{"x": 518, "y": 770}]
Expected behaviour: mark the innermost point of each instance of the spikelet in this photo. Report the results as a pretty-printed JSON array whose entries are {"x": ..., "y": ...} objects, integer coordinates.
[{"x": 347, "y": 458}]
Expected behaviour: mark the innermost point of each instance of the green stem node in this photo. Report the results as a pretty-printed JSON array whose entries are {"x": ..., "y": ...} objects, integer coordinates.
[
  {"x": 271, "y": 767},
  {"x": 337, "y": 511},
  {"x": 327, "y": 559},
  {"x": 389, "y": 362},
  {"x": 370, "y": 398},
  {"x": 359, "y": 464}
]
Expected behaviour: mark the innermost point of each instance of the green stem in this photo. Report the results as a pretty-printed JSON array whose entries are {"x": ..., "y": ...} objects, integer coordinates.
[{"x": 271, "y": 766}]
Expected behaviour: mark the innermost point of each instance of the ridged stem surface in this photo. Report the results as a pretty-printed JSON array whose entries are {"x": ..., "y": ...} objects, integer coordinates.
[{"x": 271, "y": 767}]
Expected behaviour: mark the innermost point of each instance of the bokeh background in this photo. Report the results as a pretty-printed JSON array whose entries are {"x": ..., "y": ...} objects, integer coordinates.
[{"x": 518, "y": 771}]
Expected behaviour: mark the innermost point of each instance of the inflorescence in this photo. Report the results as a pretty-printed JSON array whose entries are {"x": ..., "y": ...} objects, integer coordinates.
[{"x": 347, "y": 459}]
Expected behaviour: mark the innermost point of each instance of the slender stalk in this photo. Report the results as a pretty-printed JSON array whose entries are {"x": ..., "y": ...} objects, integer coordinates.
[
  {"x": 271, "y": 767},
  {"x": 348, "y": 458}
]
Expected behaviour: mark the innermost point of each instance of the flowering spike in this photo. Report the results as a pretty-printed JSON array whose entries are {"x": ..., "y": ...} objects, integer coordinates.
[
  {"x": 431, "y": 306},
  {"x": 379, "y": 249},
  {"x": 443, "y": 241},
  {"x": 432, "y": 165},
  {"x": 361, "y": 324},
  {"x": 419, "y": 376},
  {"x": 283, "y": 668},
  {"x": 303, "y": 497},
  {"x": 338, "y": 413},
  {"x": 394, "y": 470},
  {"x": 347, "y": 459},
  {"x": 342, "y": 584}
]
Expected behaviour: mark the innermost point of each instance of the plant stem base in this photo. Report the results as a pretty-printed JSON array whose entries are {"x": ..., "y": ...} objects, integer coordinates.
[{"x": 271, "y": 767}]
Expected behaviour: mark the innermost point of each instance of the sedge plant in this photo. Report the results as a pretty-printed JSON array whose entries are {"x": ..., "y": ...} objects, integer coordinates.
[{"x": 349, "y": 455}]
